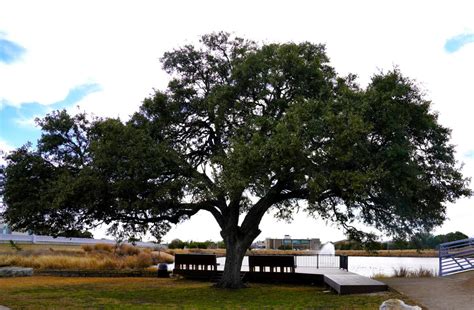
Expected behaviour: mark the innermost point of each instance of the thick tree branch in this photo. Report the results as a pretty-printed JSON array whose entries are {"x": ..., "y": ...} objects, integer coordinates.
[{"x": 183, "y": 209}]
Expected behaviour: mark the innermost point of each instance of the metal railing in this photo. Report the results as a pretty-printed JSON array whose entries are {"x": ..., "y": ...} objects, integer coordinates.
[
  {"x": 317, "y": 261},
  {"x": 39, "y": 239},
  {"x": 322, "y": 261},
  {"x": 456, "y": 256}
]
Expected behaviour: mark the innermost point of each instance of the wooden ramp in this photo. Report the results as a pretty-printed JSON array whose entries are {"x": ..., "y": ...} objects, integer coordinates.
[{"x": 351, "y": 283}]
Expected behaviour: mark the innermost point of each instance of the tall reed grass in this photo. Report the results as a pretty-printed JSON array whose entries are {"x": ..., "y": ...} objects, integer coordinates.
[
  {"x": 96, "y": 257},
  {"x": 421, "y": 272},
  {"x": 141, "y": 261},
  {"x": 404, "y": 272}
]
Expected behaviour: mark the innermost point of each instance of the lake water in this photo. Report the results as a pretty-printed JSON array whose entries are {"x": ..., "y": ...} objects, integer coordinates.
[{"x": 368, "y": 266}]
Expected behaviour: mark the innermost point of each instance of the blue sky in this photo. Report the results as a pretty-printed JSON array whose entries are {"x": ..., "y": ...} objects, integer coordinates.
[
  {"x": 10, "y": 51},
  {"x": 17, "y": 119},
  {"x": 104, "y": 57},
  {"x": 17, "y": 124},
  {"x": 455, "y": 43}
]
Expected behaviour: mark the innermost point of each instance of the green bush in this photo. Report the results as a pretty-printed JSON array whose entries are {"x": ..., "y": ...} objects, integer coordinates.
[
  {"x": 221, "y": 244},
  {"x": 176, "y": 244}
]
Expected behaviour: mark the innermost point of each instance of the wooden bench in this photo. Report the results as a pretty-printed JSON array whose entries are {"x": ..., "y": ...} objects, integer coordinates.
[
  {"x": 286, "y": 263},
  {"x": 195, "y": 262}
]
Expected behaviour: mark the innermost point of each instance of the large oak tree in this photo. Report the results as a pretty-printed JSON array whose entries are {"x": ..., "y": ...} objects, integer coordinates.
[{"x": 241, "y": 130}]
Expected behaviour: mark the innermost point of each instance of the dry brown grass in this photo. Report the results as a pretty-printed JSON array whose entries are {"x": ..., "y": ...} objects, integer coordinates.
[
  {"x": 404, "y": 272},
  {"x": 103, "y": 247},
  {"x": 32, "y": 249},
  {"x": 162, "y": 257},
  {"x": 390, "y": 253},
  {"x": 127, "y": 250},
  {"x": 218, "y": 252},
  {"x": 88, "y": 248},
  {"x": 421, "y": 272},
  {"x": 90, "y": 262},
  {"x": 279, "y": 252},
  {"x": 96, "y": 257}
]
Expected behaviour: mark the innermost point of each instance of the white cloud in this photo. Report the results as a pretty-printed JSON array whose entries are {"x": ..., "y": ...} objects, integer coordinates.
[{"x": 4, "y": 149}]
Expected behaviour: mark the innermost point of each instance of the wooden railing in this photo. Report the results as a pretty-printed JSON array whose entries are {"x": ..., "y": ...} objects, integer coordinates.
[
  {"x": 456, "y": 256},
  {"x": 195, "y": 262},
  {"x": 272, "y": 263}
]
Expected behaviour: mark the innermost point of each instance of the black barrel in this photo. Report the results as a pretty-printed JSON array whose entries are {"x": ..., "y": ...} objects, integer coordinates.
[{"x": 163, "y": 271}]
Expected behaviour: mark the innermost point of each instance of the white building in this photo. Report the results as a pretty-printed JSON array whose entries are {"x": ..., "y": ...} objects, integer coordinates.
[{"x": 4, "y": 229}]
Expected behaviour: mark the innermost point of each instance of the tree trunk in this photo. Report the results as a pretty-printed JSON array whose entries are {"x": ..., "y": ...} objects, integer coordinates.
[
  {"x": 235, "y": 253},
  {"x": 236, "y": 246}
]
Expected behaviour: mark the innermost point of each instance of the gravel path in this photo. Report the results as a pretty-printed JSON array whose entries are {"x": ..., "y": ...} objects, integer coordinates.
[{"x": 452, "y": 292}]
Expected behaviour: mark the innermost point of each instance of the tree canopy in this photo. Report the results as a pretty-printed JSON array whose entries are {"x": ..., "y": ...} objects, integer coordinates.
[{"x": 240, "y": 130}]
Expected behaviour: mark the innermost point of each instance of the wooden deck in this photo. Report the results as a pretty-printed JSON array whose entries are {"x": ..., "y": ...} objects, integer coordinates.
[
  {"x": 341, "y": 281},
  {"x": 344, "y": 282},
  {"x": 351, "y": 283}
]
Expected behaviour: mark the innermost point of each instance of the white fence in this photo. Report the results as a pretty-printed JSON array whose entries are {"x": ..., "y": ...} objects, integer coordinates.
[{"x": 39, "y": 239}]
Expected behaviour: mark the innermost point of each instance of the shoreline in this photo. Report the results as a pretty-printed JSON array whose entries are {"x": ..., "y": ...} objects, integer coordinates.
[
  {"x": 390, "y": 253},
  {"x": 380, "y": 253}
]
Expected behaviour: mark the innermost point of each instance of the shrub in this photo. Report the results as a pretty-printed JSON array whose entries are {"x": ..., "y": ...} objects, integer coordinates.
[
  {"x": 176, "y": 244},
  {"x": 401, "y": 272},
  {"x": 421, "y": 272},
  {"x": 87, "y": 248},
  {"x": 198, "y": 245},
  {"x": 109, "y": 263},
  {"x": 162, "y": 257},
  {"x": 127, "y": 250},
  {"x": 140, "y": 261},
  {"x": 103, "y": 247},
  {"x": 144, "y": 260}
]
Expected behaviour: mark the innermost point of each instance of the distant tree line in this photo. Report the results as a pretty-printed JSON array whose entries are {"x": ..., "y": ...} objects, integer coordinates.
[
  {"x": 75, "y": 233},
  {"x": 179, "y": 244},
  {"x": 418, "y": 241}
]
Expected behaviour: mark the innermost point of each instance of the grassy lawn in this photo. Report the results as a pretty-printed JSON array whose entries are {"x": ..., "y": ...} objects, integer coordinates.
[{"x": 153, "y": 293}]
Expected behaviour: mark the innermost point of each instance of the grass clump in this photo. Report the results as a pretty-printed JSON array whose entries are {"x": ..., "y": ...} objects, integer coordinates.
[
  {"x": 404, "y": 272},
  {"x": 162, "y": 257},
  {"x": 103, "y": 247},
  {"x": 127, "y": 250},
  {"x": 421, "y": 272},
  {"x": 87, "y": 248}
]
